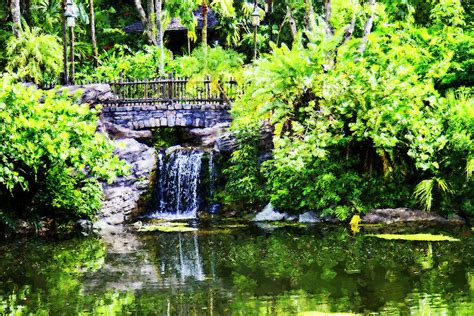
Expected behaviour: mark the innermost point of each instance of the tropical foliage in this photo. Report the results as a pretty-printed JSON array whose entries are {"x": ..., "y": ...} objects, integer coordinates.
[
  {"x": 367, "y": 122},
  {"x": 52, "y": 161},
  {"x": 34, "y": 56},
  {"x": 371, "y": 101}
]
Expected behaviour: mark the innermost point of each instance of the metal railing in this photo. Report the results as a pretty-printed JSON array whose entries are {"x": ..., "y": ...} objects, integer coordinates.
[{"x": 173, "y": 90}]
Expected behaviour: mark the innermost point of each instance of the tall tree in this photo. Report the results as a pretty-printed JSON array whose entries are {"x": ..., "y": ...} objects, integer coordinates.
[
  {"x": 159, "y": 33},
  {"x": 367, "y": 27},
  {"x": 93, "y": 37},
  {"x": 310, "y": 18},
  {"x": 146, "y": 20},
  {"x": 225, "y": 6},
  {"x": 327, "y": 17},
  {"x": 16, "y": 16},
  {"x": 204, "y": 10}
]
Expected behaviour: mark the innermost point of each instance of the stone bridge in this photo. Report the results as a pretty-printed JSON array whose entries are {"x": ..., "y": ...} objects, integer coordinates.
[
  {"x": 167, "y": 115},
  {"x": 162, "y": 102}
]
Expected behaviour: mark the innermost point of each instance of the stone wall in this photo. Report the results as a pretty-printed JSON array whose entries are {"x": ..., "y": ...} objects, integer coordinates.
[
  {"x": 167, "y": 115},
  {"x": 122, "y": 197}
]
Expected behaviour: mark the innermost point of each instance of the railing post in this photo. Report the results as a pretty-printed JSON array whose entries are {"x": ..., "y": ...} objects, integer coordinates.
[
  {"x": 221, "y": 94},
  {"x": 122, "y": 87},
  {"x": 208, "y": 87},
  {"x": 171, "y": 87}
]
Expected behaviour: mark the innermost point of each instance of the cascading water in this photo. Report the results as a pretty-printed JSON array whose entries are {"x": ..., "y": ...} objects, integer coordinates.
[{"x": 178, "y": 184}]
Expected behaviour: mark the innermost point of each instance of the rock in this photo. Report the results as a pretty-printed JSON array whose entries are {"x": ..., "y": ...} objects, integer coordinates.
[
  {"x": 92, "y": 94},
  {"x": 214, "y": 208},
  {"x": 226, "y": 143},
  {"x": 84, "y": 226},
  {"x": 309, "y": 217},
  {"x": 206, "y": 137},
  {"x": 171, "y": 149},
  {"x": 120, "y": 132},
  {"x": 30, "y": 85},
  {"x": 405, "y": 215},
  {"x": 269, "y": 214},
  {"x": 125, "y": 196},
  {"x": 103, "y": 228}
]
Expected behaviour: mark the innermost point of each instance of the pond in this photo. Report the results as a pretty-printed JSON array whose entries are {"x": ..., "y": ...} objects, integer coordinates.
[{"x": 238, "y": 270}]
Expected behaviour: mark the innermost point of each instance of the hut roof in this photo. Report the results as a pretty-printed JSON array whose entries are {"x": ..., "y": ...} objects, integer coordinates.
[{"x": 175, "y": 24}]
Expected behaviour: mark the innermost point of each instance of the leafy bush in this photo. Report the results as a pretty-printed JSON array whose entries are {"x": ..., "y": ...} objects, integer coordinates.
[
  {"x": 51, "y": 158},
  {"x": 356, "y": 131},
  {"x": 121, "y": 63},
  {"x": 219, "y": 64},
  {"x": 244, "y": 183},
  {"x": 34, "y": 56}
]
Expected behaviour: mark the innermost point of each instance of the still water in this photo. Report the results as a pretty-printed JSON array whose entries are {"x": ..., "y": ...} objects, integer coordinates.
[{"x": 238, "y": 271}]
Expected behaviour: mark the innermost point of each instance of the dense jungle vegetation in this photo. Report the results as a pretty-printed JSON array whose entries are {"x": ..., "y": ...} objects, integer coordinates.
[{"x": 371, "y": 101}]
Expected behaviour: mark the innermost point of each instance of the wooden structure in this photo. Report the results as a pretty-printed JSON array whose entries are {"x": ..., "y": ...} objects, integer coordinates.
[{"x": 171, "y": 90}]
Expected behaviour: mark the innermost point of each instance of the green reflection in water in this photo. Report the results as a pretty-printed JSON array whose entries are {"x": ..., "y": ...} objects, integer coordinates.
[{"x": 247, "y": 272}]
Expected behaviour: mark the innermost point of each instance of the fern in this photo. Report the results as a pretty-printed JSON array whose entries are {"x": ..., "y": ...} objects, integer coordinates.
[
  {"x": 34, "y": 56},
  {"x": 424, "y": 191}
]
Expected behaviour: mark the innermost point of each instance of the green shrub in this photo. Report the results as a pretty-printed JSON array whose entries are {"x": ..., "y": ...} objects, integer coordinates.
[
  {"x": 244, "y": 187},
  {"x": 120, "y": 62},
  {"x": 51, "y": 158},
  {"x": 356, "y": 131},
  {"x": 34, "y": 56}
]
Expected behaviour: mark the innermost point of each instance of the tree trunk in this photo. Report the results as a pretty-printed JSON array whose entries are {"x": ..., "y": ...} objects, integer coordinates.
[
  {"x": 145, "y": 22},
  {"x": 367, "y": 27},
  {"x": 349, "y": 30},
  {"x": 269, "y": 16},
  {"x": 159, "y": 35},
  {"x": 151, "y": 26},
  {"x": 16, "y": 17},
  {"x": 327, "y": 18},
  {"x": 292, "y": 22},
  {"x": 310, "y": 16},
  {"x": 65, "y": 67},
  {"x": 204, "y": 9},
  {"x": 94, "y": 40},
  {"x": 71, "y": 55}
]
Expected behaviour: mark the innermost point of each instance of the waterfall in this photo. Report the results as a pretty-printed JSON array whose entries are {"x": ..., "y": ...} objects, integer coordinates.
[{"x": 178, "y": 184}]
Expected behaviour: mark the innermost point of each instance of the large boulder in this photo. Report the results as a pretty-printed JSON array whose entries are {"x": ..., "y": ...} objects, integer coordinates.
[
  {"x": 269, "y": 214},
  {"x": 124, "y": 197},
  {"x": 119, "y": 132},
  {"x": 92, "y": 94},
  {"x": 405, "y": 215},
  {"x": 309, "y": 217}
]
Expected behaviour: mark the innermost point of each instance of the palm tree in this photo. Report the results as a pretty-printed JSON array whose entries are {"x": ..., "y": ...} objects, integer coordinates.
[
  {"x": 226, "y": 6},
  {"x": 94, "y": 40}
]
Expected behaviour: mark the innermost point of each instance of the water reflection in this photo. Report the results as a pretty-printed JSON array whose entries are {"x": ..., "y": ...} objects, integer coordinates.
[
  {"x": 247, "y": 272},
  {"x": 126, "y": 267}
]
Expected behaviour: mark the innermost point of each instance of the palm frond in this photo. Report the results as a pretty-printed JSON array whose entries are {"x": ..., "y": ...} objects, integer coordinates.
[
  {"x": 424, "y": 193},
  {"x": 425, "y": 189}
]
